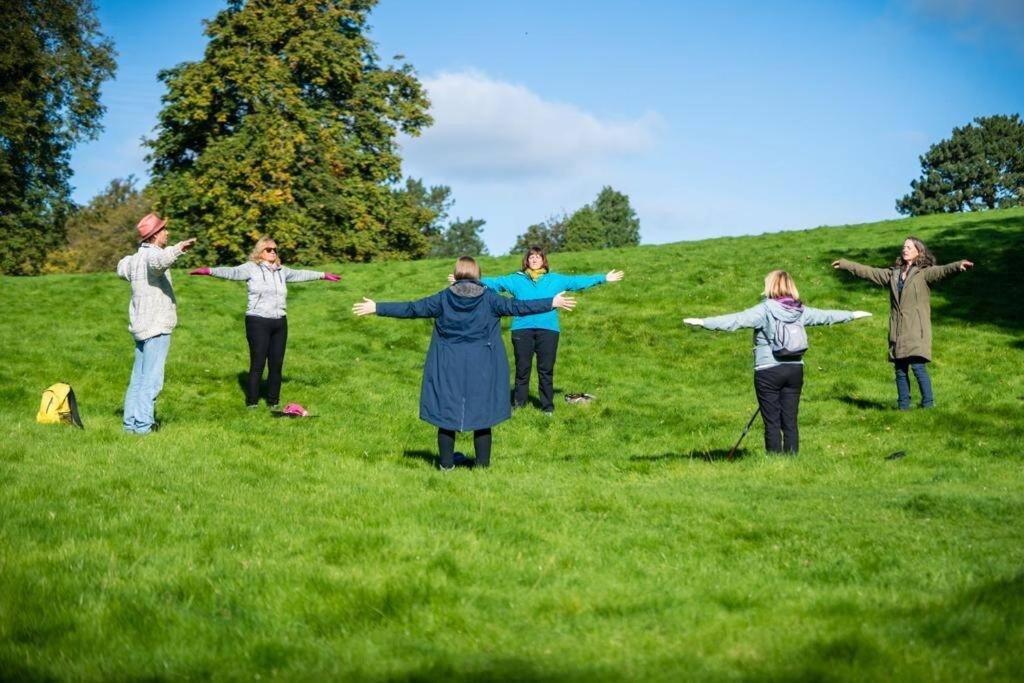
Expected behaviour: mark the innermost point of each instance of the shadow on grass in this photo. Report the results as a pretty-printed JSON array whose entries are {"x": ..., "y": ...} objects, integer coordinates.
[
  {"x": 243, "y": 384},
  {"x": 428, "y": 457},
  {"x": 864, "y": 403},
  {"x": 988, "y": 293},
  {"x": 533, "y": 400},
  {"x": 981, "y": 624},
  {"x": 707, "y": 456},
  {"x": 461, "y": 460}
]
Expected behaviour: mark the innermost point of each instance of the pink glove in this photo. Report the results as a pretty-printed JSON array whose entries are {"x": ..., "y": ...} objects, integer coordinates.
[
  {"x": 331, "y": 277},
  {"x": 200, "y": 271}
]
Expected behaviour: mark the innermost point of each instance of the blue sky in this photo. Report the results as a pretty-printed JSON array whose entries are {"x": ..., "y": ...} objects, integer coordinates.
[{"x": 715, "y": 118}]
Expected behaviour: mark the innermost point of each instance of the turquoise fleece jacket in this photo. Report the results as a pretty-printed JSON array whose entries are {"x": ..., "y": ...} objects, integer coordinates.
[{"x": 520, "y": 286}]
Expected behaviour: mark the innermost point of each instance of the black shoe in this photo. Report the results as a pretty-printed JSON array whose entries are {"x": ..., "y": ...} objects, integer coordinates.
[{"x": 460, "y": 460}]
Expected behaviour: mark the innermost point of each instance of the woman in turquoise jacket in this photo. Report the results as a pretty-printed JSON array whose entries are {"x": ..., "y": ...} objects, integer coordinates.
[{"x": 537, "y": 335}]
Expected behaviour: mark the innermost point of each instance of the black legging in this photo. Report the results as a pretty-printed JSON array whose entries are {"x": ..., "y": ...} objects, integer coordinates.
[
  {"x": 543, "y": 343},
  {"x": 267, "y": 338},
  {"x": 481, "y": 447},
  {"x": 778, "y": 395}
]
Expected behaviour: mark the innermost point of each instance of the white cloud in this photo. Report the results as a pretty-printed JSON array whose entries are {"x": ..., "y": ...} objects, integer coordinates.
[{"x": 485, "y": 129}]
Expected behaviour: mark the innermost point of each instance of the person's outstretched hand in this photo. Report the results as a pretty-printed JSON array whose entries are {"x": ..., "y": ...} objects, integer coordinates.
[
  {"x": 614, "y": 275},
  {"x": 331, "y": 277},
  {"x": 835, "y": 264},
  {"x": 694, "y": 321},
  {"x": 185, "y": 245},
  {"x": 365, "y": 307},
  {"x": 965, "y": 264},
  {"x": 451, "y": 278},
  {"x": 857, "y": 315},
  {"x": 566, "y": 303},
  {"x": 200, "y": 271}
]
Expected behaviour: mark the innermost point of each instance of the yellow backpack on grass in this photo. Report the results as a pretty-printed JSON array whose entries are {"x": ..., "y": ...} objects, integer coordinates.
[{"x": 59, "y": 406}]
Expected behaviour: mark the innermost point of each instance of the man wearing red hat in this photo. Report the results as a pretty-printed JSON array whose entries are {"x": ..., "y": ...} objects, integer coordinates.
[{"x": 152, "y": 315}]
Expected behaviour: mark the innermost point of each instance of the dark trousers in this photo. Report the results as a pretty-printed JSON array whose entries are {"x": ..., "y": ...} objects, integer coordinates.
[
  {"x": 267, "y": 338},
  {"x": 924, "y": 382},
  {"x": 481, "y": 447},
  {"x": 525, "y": 344},
  {"x": 778, "y": 395}
]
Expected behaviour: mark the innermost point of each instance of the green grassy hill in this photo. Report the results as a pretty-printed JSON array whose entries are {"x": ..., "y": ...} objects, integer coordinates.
[{"x": 610, "y": 542}]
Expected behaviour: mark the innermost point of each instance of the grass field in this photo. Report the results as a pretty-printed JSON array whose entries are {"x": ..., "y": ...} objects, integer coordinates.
[{"x": 612, "y": 541}]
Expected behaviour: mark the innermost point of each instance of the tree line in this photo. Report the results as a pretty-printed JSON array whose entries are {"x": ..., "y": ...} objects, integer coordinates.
[{"x": 288, "y": 125}]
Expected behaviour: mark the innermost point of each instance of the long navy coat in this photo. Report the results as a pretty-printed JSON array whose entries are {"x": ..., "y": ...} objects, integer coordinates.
[{"x": 465, "y": 378}]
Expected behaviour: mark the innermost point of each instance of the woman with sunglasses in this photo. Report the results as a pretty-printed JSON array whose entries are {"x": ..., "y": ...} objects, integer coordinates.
[{"x": 266, "y": 322}]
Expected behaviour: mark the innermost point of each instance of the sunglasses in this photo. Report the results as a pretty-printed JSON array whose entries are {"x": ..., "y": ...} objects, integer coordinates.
[{"x": 272, "y": 250}]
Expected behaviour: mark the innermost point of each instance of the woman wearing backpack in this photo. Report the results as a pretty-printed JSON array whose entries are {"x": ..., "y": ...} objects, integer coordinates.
[
  {"x": 909, "y": 281},
  {"x": 465, "y": 377},
  {"x": 266, "y": 321},
  {"x": 537, "y": 335},
  {"x": 779, "y": 343}
]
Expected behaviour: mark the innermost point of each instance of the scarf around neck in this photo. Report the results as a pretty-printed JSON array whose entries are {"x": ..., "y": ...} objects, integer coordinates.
[{"x": 535, "y": 273}]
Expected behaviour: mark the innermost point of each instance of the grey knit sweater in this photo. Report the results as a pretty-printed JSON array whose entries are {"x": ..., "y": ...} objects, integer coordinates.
[
  {"x": 268, "y": 285},
  {"x": 153, "y": 308}
]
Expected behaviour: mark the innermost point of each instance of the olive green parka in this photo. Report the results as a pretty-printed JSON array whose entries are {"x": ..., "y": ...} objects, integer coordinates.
[{"x": 910, "y": 312}]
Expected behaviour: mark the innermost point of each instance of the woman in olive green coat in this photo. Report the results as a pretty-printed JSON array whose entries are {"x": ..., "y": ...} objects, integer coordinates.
[{"x": 910, "y": 312}]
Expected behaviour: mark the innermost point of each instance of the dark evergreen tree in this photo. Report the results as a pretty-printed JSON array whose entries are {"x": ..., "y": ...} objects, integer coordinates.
[{"x": 980, "y": 167}]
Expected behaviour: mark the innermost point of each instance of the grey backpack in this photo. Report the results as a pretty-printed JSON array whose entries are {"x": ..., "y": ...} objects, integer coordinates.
[{"x": 790, "y": 340}]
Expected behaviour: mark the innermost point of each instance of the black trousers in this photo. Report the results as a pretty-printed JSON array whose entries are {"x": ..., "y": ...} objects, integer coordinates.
[
  {"x": 778, "y": 394},
  {"x": 481, "y": 447},
  {"x": 543, "y": 344},
  {"x": 267, "y": 338}
]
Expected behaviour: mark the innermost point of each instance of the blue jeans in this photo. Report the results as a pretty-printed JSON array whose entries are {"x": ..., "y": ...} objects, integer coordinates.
[
  {"x": 924, "y": 382},
  {"x": 146, "y": 382}
]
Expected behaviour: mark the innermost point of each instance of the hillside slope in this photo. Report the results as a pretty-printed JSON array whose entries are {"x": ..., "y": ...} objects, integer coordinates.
[{"x": 611, "y": 541}]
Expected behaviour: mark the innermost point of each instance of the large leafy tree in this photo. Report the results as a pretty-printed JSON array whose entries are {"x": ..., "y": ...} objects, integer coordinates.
[
  {"x": 52, "y": 62},
  {"x": 981, "y": 166},
  {"x": 287, "y": 126}
]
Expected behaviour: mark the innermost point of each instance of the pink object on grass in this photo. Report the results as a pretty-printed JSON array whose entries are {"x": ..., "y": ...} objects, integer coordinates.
[{"x": 295, "y": 409}]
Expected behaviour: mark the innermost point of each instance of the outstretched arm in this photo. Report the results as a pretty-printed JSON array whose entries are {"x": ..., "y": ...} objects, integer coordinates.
[
  {"x": 302, "y": 275},
  {"x": 503, "y": 306},
  {"x": 242, "y": 272},
  {"x": 159, "y": 260},
  {"x": 880, "y": 276},
  {"x": 430, "y": 307},
  {"x": 936, "y": 273},
  {"x": 822, "y": 316},
  {"x": 575, "y": 283},
  {"x": 752, "y": 317},
  {"x": 501, "y": 283}
]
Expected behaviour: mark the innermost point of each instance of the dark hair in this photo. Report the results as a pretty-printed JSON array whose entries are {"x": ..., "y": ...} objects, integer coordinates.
[
  {"x": 925, "y": 257},
  {"x": 530, "y": 252}
]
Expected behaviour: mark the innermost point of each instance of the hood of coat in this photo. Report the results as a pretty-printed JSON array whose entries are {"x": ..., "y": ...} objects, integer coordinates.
[
  {"x": 785, "y": 309},
  {"x": 466, "y": 295}
]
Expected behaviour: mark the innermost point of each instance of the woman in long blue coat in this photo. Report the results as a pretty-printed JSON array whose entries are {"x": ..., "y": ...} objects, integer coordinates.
[{"x": 465, "y": 377}]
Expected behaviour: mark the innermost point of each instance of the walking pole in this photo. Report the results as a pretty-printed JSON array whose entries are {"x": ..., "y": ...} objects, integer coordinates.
[{"x": 745, "y": 430}]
